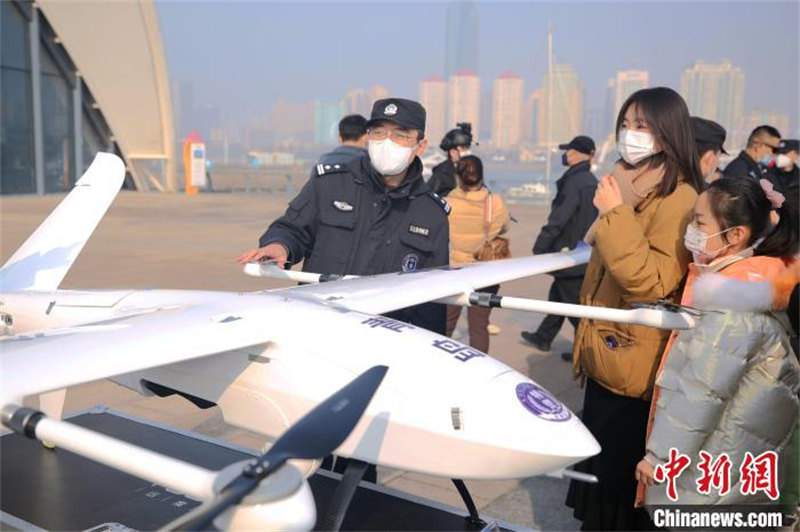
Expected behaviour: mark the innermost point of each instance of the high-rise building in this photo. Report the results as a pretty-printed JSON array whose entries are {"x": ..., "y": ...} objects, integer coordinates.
[
  {"x": 532, "y": 117},
  {"x": 507, "y": 108},
  {"x": 464, "y": 95},
  {"x": 626, "y": 83},
  {"x": 761, "y": 117},
  {"x": 610, "y": 111},
  {"x": 326, "y": 120},
  {"x": 716, "y": 92},
  {"x": 461, "y": 38},
  {"x": 376, "y": 92},
  {"x": 566, "y": 115},
  {"x": 433, "y": 97},
  {"x": 357, "y": 101},
  {"x": 618, "y": 90},
  {"x": 291, "y": 122}
]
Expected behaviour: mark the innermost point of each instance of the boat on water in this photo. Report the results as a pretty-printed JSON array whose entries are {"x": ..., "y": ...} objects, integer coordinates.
[{"x": 528, "y": 192}]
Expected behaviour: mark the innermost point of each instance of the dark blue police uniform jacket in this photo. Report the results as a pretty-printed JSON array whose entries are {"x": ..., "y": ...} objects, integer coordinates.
[{"x": 345, "y": 221}]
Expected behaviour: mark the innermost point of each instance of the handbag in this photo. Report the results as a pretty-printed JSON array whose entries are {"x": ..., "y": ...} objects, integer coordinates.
[{"x": 496, "y": 248}]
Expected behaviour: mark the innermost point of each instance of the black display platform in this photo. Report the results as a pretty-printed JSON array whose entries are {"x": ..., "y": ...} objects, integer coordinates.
[{"x": 59, "y": 490}]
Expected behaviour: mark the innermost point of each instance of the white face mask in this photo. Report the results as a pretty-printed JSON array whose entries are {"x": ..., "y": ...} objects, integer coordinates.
[
  {"x": 782, "y": 161},
  {"x": 389, "y": 158},
  {"x": 634, "y": 146},
  {"x": 696, "y": 241}
]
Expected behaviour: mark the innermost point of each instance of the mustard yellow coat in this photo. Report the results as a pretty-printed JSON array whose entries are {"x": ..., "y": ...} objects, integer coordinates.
[{"x": 638, "y": 256}]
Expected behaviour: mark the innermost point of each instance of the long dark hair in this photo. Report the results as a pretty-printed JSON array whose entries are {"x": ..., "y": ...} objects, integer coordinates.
[
  {"x": 668, "y": 119},
  {"x": 741, "y": 201},
  {"x": 470, "y": 171}
]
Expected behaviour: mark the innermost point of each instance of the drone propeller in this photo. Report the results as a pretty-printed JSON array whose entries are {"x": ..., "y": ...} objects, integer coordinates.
[{"x": 315, "y": 435}]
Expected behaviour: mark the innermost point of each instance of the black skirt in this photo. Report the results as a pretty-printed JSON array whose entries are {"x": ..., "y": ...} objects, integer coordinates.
[{"x": 619, "y": 424}]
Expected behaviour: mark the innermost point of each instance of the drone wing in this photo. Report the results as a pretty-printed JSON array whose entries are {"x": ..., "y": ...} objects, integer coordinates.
[
  {"x": 387, "y": 292},
  {"x": 57, "y": 358}
]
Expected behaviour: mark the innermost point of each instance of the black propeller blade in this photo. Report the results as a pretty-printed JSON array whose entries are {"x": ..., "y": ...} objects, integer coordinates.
[{"x": 315, "y": 435}]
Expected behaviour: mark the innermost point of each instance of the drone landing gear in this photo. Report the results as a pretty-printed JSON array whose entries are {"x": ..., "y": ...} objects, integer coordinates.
[
  {"x": 344, "y": 495},
  {"x": 473, "y": 518}
]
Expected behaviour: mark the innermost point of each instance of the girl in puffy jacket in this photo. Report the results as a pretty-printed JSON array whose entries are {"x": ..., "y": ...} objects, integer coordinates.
[{"x": 729, "y": 386}]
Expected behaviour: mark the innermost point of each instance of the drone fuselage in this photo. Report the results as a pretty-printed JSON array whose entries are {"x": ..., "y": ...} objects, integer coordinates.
[{"x": 443, "y": 409}]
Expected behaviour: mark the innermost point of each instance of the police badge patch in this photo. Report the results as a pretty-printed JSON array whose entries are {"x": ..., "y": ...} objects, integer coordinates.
[
  {"x": 410, "y": 262},
  {"x": 390, "y": 110}
]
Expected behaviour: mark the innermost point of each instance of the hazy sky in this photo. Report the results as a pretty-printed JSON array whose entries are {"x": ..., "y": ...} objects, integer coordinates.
[{"x": 244, "y": 56}]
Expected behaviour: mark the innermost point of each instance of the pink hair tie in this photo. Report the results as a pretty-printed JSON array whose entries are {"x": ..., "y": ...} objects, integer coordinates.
[{"x": 774, "y": 197}]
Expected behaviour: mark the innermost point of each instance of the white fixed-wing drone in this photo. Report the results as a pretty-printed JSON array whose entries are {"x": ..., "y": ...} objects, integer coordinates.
[{"x": 268, "y": 358}]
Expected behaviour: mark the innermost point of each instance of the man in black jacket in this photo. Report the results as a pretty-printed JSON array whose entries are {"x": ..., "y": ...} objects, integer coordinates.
[
  {"x": 754, "y": 161},
  {"x": 571, "y": 214},
  {"x": 369, "y": 215},
  {"x": 786, "y": 161},
  {"x": 352, "y": 141}
]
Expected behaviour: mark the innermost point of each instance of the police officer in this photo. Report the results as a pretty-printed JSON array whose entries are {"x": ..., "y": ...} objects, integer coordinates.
[
  {"x": 709, "y": 137},
  {"x": 456, "y": 145},
  {"x": 786, "y": 163},
  {"x": 571, "y": 214},
  {"x": 352, "y": 141},
  {"x": 755, "y": 160},
  {"x": 370, "y": 215}
]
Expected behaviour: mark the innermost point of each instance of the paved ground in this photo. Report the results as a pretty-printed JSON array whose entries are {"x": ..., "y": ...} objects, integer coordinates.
[{"x": 173, "y": 241}]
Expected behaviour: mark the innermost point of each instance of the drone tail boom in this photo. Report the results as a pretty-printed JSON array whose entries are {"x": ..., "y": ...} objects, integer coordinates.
[{"x": 42, "y": 262}]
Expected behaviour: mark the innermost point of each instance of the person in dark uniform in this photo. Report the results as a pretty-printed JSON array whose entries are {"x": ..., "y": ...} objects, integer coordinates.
[
  {"x": 787, "y": 170},
  {"x": 455, "y": 144},
  {"x": 571, "y": 214},
  {"x": 755, "y": 159},
  {"x": 709, "y": 137},
  {"x": 369, "y": 215},
  {"x": 352, "y": 141}
]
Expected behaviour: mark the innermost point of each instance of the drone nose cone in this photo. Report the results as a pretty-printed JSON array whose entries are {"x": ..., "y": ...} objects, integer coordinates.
[{"x": 534, "y": 432}]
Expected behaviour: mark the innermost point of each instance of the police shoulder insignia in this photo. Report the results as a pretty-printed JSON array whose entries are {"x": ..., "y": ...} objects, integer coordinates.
[
  {"x": 323, "y": 169},
  {"x": 441, "y": 201}
]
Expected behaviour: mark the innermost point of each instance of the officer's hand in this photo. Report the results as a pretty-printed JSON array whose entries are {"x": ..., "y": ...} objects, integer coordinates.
[{"x": 275, "y": 251}]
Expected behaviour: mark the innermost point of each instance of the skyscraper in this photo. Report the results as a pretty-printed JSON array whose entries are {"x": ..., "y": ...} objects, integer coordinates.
[
  {"x": 433, "y": 97},
  {"x": 566, "y": 115},
  {"x": 760, "y": 117},
  {"x": 376, "y": 92},
  {"x": 532, "y": 117},
  {"x": 464, "y": 95},
  {"x": 326, "y": 119},
  {"x": 357, "y": 101},
  {"x": 507, "y": 103},
  {"x": 626, "y": 83},
  {"x": 461, "y": 38},
  {"x": 619, "y": 88},
  {"x": 716, "y": 92}
]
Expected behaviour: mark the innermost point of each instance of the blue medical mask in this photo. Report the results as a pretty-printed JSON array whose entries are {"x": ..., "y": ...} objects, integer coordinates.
[
  {"x": 564, "y": 159},
  {"x": 765, "y": 160}
]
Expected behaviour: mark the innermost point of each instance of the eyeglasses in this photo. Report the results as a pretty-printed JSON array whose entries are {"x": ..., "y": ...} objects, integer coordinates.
[
  {"x": 774, "y": 149},
  {"x": 383, "y": 133}
]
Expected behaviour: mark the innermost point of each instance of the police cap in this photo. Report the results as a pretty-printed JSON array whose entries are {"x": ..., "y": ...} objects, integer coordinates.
[
  {"x": 788, "y": 145},
  {"x": 708, "y": 134},
  {"x": 405, "y": 113}
]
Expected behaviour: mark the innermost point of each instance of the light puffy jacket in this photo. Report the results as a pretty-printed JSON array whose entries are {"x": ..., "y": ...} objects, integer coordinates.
[{"x": 728, "y": 386}]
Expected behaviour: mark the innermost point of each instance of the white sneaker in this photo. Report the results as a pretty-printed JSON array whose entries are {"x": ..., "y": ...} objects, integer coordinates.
[{"x": 493, "y": 329}]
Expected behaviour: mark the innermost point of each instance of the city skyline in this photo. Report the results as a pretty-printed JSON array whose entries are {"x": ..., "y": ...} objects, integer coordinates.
[{"x": 521, "y": 52}]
